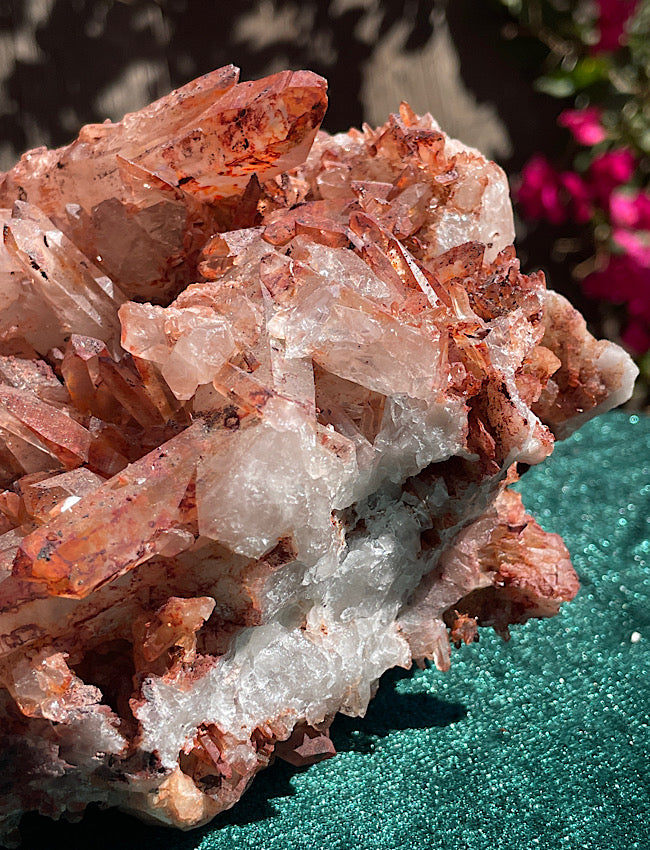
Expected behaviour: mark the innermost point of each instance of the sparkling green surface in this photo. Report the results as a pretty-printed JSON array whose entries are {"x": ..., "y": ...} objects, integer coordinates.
[{"x": 542, "y": 742}]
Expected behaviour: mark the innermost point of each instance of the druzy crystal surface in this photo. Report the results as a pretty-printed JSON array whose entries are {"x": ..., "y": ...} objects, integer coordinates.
[{"x": 262, "y": 394}]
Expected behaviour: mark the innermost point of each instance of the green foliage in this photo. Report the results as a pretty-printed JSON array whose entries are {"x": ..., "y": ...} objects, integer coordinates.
[
  {"x": 571, "y": 68},
  {"x": 635, "y": 117},
  {"x": 595, "y": 56}
]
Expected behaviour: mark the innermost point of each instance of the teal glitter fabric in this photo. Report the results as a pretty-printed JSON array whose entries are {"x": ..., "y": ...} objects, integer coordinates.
[{"x": 541, "y": 743}]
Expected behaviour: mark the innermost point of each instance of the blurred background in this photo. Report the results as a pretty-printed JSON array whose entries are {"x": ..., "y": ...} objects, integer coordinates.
[{"x": 557, "y": 91}]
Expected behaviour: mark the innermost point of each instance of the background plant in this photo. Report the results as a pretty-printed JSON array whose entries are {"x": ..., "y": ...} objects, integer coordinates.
[{"x": 593, "y": 196}]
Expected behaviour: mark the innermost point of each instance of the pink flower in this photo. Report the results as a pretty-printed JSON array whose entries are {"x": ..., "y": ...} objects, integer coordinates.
[
  {"x": 635, "y": 243},
  {"x": 544, "y": 193},
  {"x": 637, "y": 333},
  {"x": 584, "y": 124},
  {"x": 577, "y": 195},
  {"x": 609, "y": 171},
  {"x": 625, "y": 281},
  {"x": 630, "y": 209},
  {"x": 612, "y": 18},
  {"x": 539, "y": 191},
  {"x": 618, "y": 282}
]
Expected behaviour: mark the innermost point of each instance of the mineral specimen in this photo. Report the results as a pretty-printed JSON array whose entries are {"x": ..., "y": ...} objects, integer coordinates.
[{"x": 262, "y": 393}]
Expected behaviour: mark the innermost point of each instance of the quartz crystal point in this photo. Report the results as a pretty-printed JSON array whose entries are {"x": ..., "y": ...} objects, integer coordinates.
[{"x": 262, "y": 395}]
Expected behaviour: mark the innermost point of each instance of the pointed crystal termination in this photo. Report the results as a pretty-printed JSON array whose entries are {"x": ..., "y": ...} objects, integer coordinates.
[
  {"x": 262, "y": 395},
  {"x": 141, "y": 197}
]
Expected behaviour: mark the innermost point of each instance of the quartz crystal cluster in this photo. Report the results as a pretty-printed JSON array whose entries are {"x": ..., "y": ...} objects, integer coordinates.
[{"x": 262, "y": 394}]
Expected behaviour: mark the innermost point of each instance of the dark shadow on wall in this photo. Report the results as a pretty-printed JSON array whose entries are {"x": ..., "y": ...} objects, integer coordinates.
[
  {"x": 312, "y": 34},
  {"x": 58, "y": 68},
  {"x": 62, "y": 65},
  {"x": 83, "y": 47},
  {"x": 502, "y": 73}
]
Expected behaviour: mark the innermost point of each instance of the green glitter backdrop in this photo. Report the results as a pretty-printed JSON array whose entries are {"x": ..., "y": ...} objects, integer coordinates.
[{"x": 539, "y": 743}]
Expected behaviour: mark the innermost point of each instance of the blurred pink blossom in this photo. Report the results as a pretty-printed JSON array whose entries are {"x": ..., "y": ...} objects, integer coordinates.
[
  {"x": 625, "y": 280},
  {"x": 612, "y": 17},
  {"x": 609, "y": 171},
  {"x": 630, "y": 209},
  {"x": 577, "y": 196},
  {"x": 584, "y": 124},
  {"x": 636, "y": 244},
  {"x": 637, "y": 332},
  {"x": 618, "y": 281},
  {"x": 545, "y": 193},
  {"x": 539, "y": 191}
]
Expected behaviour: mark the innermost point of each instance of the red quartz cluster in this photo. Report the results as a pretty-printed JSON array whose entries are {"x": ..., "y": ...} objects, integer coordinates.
[{"x": 262, "y": 391}]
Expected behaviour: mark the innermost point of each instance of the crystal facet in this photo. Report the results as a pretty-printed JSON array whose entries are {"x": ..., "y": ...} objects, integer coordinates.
[{"x": 262, "y": 394}]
